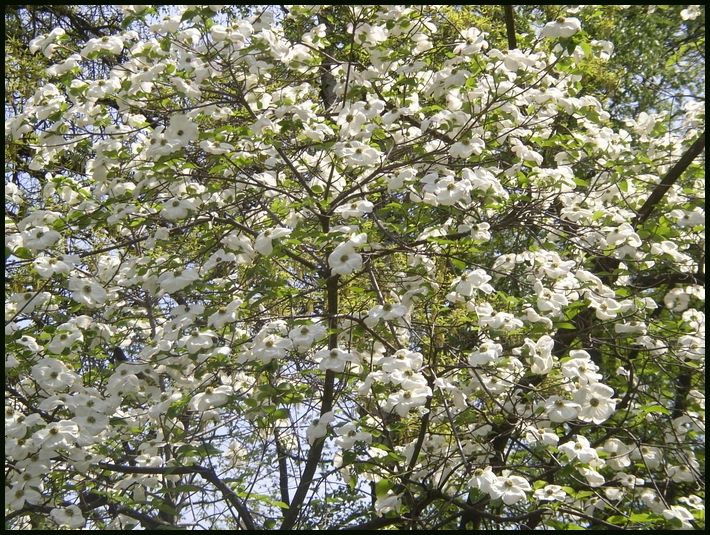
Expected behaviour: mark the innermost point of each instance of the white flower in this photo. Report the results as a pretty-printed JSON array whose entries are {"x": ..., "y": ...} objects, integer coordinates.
[
  {"x": 47, "y": 267},
  {"x": 619, "y": 458},
  {"x": 579, "y": 449},
  {"x": 652, "y": 457},
  {"x": 319, "y": 427},
  {"x": 87, "y": 292},
  {"x": 483, "y": 479},
  {"x": 549, "y": 301},
  {"x": 218, "y": 257},
  {"x": 693, "y": 501},
  {"x": 30, "y": 343},
  {"x": 691, "y": 347},
  {"x": 631, "y": 328},
  {"x": 403, "y": 360},
  {"x": 112, "y": 44},
  {"x": 525, "y": 153},
  {"x": 471, "y": 281},
  {"x": 66, "y": 335},
  {"x": 408, "y": 379},
  {"x": 263, "y": 241},
  {"x": 581, "y": 367},
  {"x": 356, "y": 153},
  {"x": 539, "y": 354},
  {"x": 481, "y": 231},
  {"x": 690, "y": 13},
  {"x": 18, "y": 494},
  {"x": 594, "y": 478},
  {"x": 333, "y": 359},
  {"x": 181, "y": 131},
  {"x": 561, "y": 410},
  {"x": 677, "y": 299},
  {"x": 368, "y": 35},
  {"x": 681, "y": 474},
  {"x": 488, "y": 352},
  {"x": 596, "y": 402},
  {"x": 177, "y": 209},
  {"x": 344, "y": 259},
  {"x": 304, "y": 336},
  {"x": 550, "y": 493},
  {"x": 61, "y": 434},
  {"x": 224, "y": 315},
  {"x": 91, "y": 424},
  {"x": 69, "y": 517},
  {"x": 562, "y": 27},
  {"x": 501, "y": 320},
  {"x": 216, "y": 147},
  {"x": 211, "y": 398},
  {"x": 52, "y": 375},
  {"x": 270, "y": 347},
  {"x": 464, "y": 149},
  {"x": 511, "y": 489},
  {"x": 545, "y": 435},
  {"x": 388, "y": 502},
  {"x": 606, "y": 308},
  {"x": 40, "y": 238},
  {"x": 474, "y": 42},
  {"x": 27, "y": 302},
  {"x": 405, "y": 400},
  {"x": 45, "y": 43},
  {"x": 624, "y": 234},
  {"x": 386, "y": 312},
  {"x": 348, "y": 435},
  {"x": 350, "y": 121},
  {"x": 680, "y": 515},
  {"x": 171, "y": 282},
  {"x": 197, "y": 341},
  {"x": 653, "y": 501},
  {"x": 447, "y": 191},
  {"x": 241, "y": 245},
  {"x": 65, "y": 66},
  {"x": 355, "y": 209}
]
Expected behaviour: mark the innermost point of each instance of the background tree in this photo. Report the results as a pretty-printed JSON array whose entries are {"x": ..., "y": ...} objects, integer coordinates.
[{"x": 354, "y": 266}]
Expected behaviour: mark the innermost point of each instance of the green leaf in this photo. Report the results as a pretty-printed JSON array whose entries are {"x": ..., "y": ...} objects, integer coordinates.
[
  {"x": 382, "y": 487},
  {"x": 618, "y": 520},
  {"x": 23, "y": 252},
  {"x": 641, "y": 517},
  {"x": 654, "y": 409},
  {"x": 565, "y": 325}
]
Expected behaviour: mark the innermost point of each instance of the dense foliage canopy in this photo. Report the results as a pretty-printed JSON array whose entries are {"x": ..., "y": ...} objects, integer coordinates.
[{"x": 354, "y": 266}]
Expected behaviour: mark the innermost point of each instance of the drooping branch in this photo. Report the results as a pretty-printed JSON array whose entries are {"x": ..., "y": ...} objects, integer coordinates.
[{"x": 206, "y": 473}]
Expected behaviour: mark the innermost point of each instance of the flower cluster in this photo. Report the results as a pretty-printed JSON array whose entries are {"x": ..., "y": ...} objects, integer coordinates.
[{"x": 363, "y": 245}]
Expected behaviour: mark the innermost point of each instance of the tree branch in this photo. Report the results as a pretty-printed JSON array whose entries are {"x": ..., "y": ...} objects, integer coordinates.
[
  {"x": 510, "y": 26},
  {"x": 671, "y": 177},
  {"x": 206, "y": 473},
  {"x": 283, "y": 468},
  {"x": 314, "y": 454}
]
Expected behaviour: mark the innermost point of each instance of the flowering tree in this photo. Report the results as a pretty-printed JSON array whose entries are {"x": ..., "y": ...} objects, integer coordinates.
[{"x": 335, "y": 266}]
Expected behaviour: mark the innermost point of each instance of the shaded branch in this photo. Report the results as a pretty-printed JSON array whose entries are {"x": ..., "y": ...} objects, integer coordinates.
[
  {"x": 510, "y": 26},
  {"x": 283, "y": 469}
]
